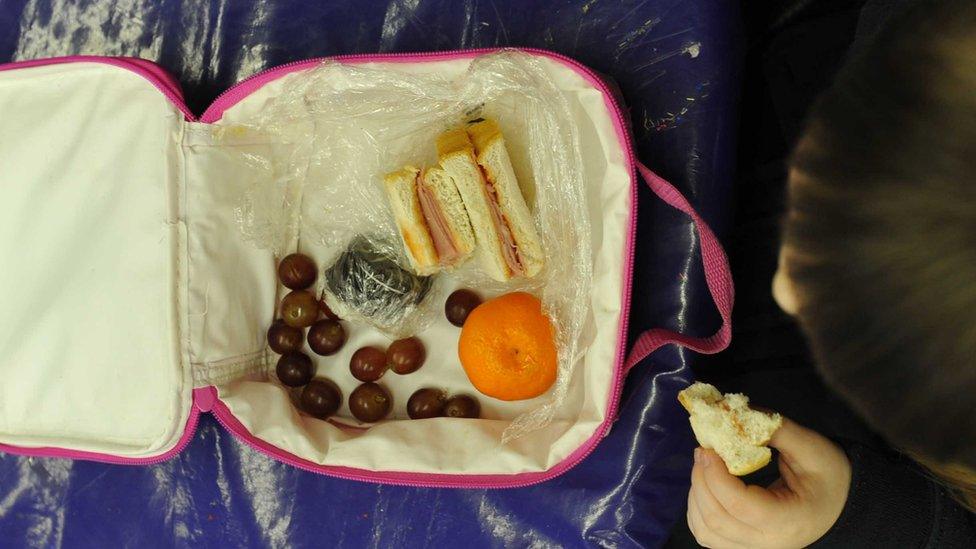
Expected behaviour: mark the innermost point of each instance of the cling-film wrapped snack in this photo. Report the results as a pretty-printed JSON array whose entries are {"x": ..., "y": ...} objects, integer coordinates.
[{"x": 368, "y": 283}]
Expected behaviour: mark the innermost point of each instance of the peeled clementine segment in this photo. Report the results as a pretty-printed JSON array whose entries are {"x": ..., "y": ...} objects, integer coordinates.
[{"x": 508, "y": 348}]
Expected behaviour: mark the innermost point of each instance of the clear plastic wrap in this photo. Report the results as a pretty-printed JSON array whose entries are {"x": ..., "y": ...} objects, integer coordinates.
[{"x": 338, "y": 128}]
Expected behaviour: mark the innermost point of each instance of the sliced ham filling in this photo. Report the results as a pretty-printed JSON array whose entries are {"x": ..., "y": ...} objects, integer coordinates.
[
  {"x": 440, "y": 231},
  {"x": 509, "y": 247}
]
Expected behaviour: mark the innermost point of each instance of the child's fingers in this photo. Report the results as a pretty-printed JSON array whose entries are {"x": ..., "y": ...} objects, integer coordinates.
[
  {"x": 694, "y": 518},
  {"x": 749, "y": 504},
  {"x": 715, "y": 517},
  {"x": 795, "y": 445},
  {"x": 704, "y": 535},
  {"x": 803, "y": 451},
  {"x": 788, "y": 478}
]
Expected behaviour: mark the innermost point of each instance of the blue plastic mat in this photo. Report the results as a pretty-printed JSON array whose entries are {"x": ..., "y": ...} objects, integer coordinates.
[{"x": 675, "y": 62}]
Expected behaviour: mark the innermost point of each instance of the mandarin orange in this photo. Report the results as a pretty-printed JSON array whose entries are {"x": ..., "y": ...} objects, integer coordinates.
[{"x": 507, "y": 348}]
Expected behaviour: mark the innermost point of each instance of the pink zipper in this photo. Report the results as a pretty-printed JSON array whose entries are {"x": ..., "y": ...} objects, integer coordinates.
[
  {"x": 188, "y": 431},
  {"x": 164, "y": 76},
  {"x": 156, "y": 75},
  {"x": 223, "y": 415}
]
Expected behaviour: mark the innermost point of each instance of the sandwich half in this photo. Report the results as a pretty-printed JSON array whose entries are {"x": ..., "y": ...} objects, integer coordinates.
[
  {"x": 477, "y": 161},
  {"x": 431, "y": 218}
]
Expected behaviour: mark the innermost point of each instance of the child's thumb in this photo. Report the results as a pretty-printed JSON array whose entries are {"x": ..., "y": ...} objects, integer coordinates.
[{"x": 802, "y": 449}]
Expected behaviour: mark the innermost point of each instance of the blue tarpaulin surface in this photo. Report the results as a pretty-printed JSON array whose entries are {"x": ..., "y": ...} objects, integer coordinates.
[{"x": 675, "y": 62}]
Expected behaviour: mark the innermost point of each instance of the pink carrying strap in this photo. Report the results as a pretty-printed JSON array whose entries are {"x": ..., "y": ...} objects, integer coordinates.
[{"x": 717, "y": 276}]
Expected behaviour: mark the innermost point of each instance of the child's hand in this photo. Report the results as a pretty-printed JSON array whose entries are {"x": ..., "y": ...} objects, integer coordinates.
[{"x": 795, "y": 511}]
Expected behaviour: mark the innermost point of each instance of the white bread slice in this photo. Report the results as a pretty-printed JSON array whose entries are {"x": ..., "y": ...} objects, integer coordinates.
[
  {"x": 445, "y": 191},
  {"x": 493, "y": 157},
  {"x": 457, "y": 160},
  {"x": 726, "y": 424},
  {"x": 401, "y": 188}
]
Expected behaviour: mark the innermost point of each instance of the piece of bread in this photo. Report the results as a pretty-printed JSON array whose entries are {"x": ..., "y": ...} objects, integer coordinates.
[
  {"x": 401, "y": 188},
  {"x": 726, "y": 424},
  {"x": 458, "y": 161},
  {"x": 493, "y": 158},
  {"x": 445, "y": 190}
]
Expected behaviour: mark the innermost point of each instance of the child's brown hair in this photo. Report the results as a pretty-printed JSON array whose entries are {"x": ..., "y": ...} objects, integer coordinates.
[{"x": 880, "y": 235}]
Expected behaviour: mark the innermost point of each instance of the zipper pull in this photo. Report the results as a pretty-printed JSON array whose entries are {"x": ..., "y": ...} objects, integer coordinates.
[{"x": 204, "y": 398}]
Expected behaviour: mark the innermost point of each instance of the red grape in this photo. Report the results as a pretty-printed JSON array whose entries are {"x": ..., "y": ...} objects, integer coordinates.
[
  {"x": 370, "y": 403},
  {"x": 283, "y": 338},
  {"x": 299, "y": 309},
  {"x": 459, "y": 305},
  {"x": 368, "y": 364},
  {"x": 405, "y": 356},
  {"x": 321, "y": 398},
  {"x": 426, "y": 403},
  {"x": 462, "y": 406},
  {"x": 297, "y": 271},
  {"x": 326, "y": 337},
  {"x": 295, "y": 369}
]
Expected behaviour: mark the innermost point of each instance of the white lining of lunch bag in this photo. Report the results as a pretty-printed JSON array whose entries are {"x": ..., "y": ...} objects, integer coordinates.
[
  {"x": 443, "y": 445},
  {"x": 131, "y": 87},
  {"x": 230, "y": 284}
]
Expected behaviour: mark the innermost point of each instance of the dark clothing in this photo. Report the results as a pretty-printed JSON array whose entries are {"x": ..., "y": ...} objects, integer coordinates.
[{"x": 891, "y": 504}]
